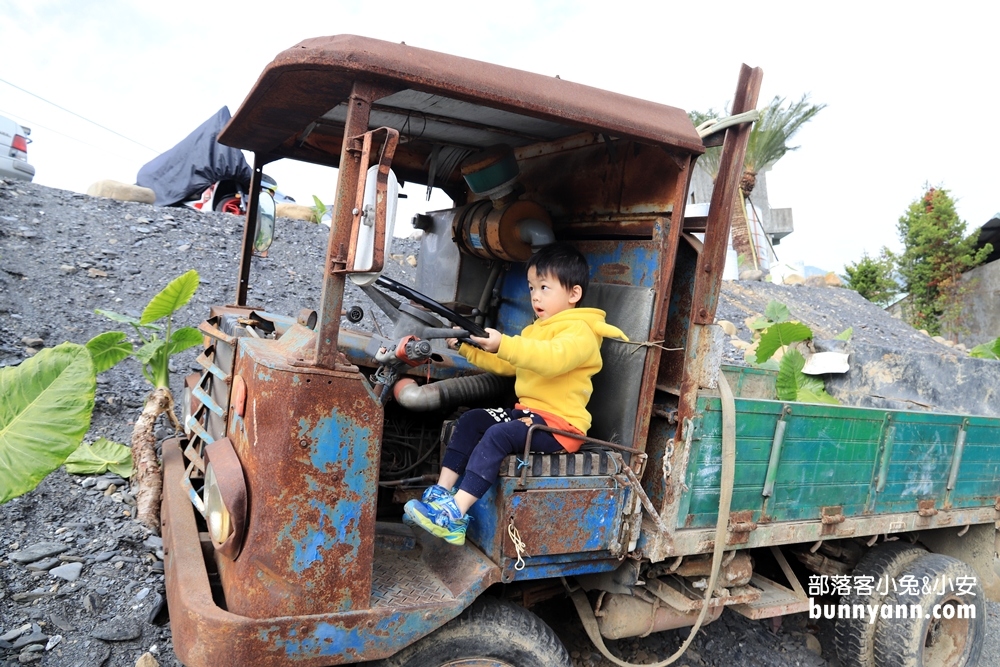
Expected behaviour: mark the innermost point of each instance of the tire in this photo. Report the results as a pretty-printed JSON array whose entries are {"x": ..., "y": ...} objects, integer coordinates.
[
  {"x": 930, "y": 642},
  {"x": 855, "y": 637},
  {"x": 490, "y": 632},
  {"x": 229, "y": 204}
]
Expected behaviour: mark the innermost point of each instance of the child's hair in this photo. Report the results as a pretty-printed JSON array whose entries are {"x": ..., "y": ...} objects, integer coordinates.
[{"x": 564, "y": 262}]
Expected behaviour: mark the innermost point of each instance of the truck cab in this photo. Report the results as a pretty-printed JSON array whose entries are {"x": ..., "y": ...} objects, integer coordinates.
[{"x": 304, "y": 436}]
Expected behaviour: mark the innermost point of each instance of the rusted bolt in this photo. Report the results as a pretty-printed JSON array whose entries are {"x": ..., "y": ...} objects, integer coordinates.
[{"x": 303, "y": 443}]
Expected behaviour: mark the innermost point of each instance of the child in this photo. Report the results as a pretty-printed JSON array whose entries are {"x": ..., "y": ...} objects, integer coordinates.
[{"x": 553, "y": 360}]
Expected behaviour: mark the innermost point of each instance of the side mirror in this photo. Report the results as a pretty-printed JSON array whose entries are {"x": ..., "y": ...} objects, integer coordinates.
[
  {"x": 364, "y": 255},
  {"x": 265, "y": 224}
]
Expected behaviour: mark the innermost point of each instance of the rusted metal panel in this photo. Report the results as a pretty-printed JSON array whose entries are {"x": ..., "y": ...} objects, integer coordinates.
[
  {"x": 539, "y": 517},
  {"x": 307, "y": 80},
  {"x": 309, "y": 447},
  {"x": 206, "y": 635}
]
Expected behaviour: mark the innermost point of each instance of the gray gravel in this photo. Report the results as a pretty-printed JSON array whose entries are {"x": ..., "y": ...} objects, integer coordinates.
[{"x": 94, "y": 595}]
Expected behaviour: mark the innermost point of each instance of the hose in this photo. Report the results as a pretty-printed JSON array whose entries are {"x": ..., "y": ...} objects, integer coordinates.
[{"x": 448, "y": 393}]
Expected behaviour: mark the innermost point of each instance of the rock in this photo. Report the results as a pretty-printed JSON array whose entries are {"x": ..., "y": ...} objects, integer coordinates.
[
  {"x": 117, "y": 629},
  {"x": 412, "y": 260},
  {"x": 121, "y": 191},
  {"x": 813, "y": 644},
  {"x": 755, "y": 275},
  {"x": 60, "y": 622},
  {"x": 69, "y": 571},
  {"x": 815, "y": 281},
  {"x": 37, "y": 552},
  {"x": 728, "y": 327},
  {"x": 794, "y": 279},
  {"x": 33, "y": 341},
  {"x": 15, "y": 633},
  {"x": 146, "y": 660},
  {"x": 67, "y": 268},
  {"x": 833, "y": 280},
  {"x": 53, "y": 642},
  {"x": 153, "y": 542},
  {"x": 294, "y": 211},
  {"x": 102, "y": 484},
  {"x": 91, "y": 603},
  {"x": 26, "y": 658},
  {"x": 35, "y": 637},
  {"x": 43, "y": 565}
]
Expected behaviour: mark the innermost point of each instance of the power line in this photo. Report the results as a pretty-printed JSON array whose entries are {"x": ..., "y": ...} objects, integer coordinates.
[
  {"x": 33, "y": 124},
  {"x": 108, "y": 129}
]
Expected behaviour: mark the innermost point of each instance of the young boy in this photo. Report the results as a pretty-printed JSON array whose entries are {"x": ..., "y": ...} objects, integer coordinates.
[{"x": 553, "y": 360}]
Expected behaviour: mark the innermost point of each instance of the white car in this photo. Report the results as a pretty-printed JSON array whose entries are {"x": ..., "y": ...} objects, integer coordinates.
[{"x": 14, "y": 151}]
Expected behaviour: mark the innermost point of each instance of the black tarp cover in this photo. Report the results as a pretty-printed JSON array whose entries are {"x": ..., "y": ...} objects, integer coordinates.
[{"x": 184, "y": 171}]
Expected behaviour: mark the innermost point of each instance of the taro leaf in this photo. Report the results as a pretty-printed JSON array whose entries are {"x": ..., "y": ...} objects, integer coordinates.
[
  {"x": 146, "y": 353},
  {"x": 125, "y": 319},
  {"x": 172, "y": 297},
  {"x": 776, "y": 312},
  {"x": 986, "y": 350},
  {"x": 184, "y": 338},
  {"x": 107, "y": 349},
  {"x": 45, "y": 408},
  {"x": 100, "y": 457},
  {"x": 782, "y": 333},
  {"x": 793, "y": 385},
  {"x": 845, "y": 334}
]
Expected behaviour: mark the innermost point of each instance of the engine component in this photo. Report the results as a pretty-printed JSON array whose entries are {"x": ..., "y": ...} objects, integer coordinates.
[
  {"x": 448, "y": 393},
  {"x": 508, "y": 233}
]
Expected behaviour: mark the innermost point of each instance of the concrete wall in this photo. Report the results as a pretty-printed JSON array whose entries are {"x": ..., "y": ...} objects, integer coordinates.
[{"x": 981, "y": 312}]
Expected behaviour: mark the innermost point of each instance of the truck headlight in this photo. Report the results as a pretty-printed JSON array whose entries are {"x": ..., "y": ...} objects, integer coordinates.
[{"x": 225, "y": 495}]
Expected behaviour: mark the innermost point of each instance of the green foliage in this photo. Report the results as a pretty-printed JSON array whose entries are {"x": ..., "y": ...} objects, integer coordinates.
[
  {"x": 770, "y": 135},
  {"x": 107, "y": 349},
  {"x": 873, "y": 277},
  {"x": 986, "y": 350},
  {"x": 100, "y": 457},
  {"x": 794, "y": 385},
  {"x": 779, "y": 335},
  {"x": 936, "y": 252},
  {"x": 319, "y": 209},
  {"x": 845, "y": 334},
  {"x": 777, "y": 331},
  {"x": 45, "y": 408},
  {"x": 155, "y": 352}
]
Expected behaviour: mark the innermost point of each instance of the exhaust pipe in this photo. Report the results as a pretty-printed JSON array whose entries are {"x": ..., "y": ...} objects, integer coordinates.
[{"x": 449, "y": 393}]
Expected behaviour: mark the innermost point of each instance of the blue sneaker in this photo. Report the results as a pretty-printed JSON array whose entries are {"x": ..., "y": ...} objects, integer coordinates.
[
  {"x": 432, "y": 493},
  {"x": 440, "y": 518}
]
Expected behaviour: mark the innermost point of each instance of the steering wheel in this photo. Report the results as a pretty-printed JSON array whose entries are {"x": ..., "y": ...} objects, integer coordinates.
[{"x": 433, "y": 306}]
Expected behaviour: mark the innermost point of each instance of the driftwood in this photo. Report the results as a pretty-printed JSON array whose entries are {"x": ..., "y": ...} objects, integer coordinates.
[{"x": 147, "y": 475}]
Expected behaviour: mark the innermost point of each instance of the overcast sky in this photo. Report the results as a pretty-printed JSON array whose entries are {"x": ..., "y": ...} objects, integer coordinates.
[{"x": 910, "y": 87}]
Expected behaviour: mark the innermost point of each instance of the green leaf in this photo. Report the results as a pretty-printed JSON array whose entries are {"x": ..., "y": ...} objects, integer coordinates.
[
  {"x": 172, "y": 297},
  {"x": 184, "y": 338},
  {"x": 782, "y": 333},
  {"x": 125, "y": 319},
  {"x": 793, "y": 385},
  {"x": 986, "y": 350},
  {"x": 146, "y": 353},
  {"x": 760, "y": 323},
  {"x": 777, "y": 312},
  {"x": 45, "y": 408},
  {"x": 100, "y": 457},
  {"x": 107, "y": 349},
  {"x": 845, "y": 334}
]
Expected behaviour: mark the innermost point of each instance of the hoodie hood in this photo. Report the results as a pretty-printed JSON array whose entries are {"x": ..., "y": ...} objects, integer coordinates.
[{"x": 594, "y": 317}]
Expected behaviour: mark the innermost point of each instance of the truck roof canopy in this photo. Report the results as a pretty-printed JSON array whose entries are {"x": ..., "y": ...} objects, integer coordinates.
[{"x": 444, "y": 107}]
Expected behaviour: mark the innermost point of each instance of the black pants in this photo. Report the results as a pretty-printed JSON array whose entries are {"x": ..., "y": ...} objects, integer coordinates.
[{"x": 484, "y": 437}]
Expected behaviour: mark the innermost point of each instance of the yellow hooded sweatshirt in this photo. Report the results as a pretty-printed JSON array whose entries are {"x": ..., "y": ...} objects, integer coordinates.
[{"x": 553, "y": 361}]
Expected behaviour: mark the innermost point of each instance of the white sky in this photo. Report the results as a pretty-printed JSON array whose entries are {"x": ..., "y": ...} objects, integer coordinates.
[{"x": 910, "y": 87}]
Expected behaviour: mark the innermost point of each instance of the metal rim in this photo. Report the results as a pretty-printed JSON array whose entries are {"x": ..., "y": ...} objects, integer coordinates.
[{"x": 947, "y": 639}]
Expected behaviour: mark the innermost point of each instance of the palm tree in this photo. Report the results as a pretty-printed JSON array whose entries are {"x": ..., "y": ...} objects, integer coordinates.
[{"x": 767, "y": 144}]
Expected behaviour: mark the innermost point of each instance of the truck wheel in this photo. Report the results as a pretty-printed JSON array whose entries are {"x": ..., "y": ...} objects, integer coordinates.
[
  {"x": 229, "y": 204},
  {"x": 952, "y": 628},
  {"x": 855, "y": 637},
  {"x": 490, "y": 633}
]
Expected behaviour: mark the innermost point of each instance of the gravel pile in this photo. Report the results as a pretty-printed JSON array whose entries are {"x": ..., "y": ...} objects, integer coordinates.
[{"x": 81, "y": 582}]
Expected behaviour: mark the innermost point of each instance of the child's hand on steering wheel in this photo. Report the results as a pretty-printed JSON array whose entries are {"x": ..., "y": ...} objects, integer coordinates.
[{"x": 490, "y": 344}]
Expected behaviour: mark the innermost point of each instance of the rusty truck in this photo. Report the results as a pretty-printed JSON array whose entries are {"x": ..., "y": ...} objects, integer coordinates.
[{"x": 696, "y": 490}]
